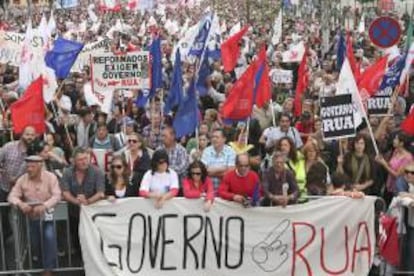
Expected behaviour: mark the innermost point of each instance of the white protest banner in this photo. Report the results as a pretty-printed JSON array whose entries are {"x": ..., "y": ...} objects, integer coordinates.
[
  {"x": 85, "y": 55},
  {"x": 11, "y": 46},
  {"x": 337, "y": 115},
  {"x": 329, "y": 236},
  {"x": 281, "y": 76},
  {"x": 127, "y": 71}
]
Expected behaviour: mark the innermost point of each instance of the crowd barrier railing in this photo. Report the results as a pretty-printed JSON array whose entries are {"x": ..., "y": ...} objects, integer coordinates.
[{"x": 17, "y": 253}]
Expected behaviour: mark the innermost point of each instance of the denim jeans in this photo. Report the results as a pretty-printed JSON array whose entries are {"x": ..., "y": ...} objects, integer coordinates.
[{"x": 48, "y": 250}]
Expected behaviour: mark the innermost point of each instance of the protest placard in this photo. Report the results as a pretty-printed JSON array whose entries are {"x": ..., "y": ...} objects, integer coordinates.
[
  {"x": 379, "y": 104},
  {"x": 126, "y": 71},
  {"x": 330, "y": 236},
  {"x": 280, "y": 76},
  {"x": 337, "y": 115}
]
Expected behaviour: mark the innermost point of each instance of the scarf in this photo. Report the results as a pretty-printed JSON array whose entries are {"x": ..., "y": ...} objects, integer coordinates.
[{"x": 355, "y": 167}]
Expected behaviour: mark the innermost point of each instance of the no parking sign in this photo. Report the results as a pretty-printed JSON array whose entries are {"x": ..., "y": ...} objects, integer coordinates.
[{"x": 385, "y": 32}]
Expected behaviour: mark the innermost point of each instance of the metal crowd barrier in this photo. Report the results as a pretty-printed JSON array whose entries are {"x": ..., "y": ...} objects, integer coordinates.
[{"x": 16, "y": 252}]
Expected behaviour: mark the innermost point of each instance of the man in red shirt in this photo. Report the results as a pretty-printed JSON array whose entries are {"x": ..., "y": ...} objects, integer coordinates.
[{"x": 241, "y": 184}]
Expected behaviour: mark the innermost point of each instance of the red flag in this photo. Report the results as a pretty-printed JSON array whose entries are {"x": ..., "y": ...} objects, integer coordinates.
[
  {"x": 388, "y": 240},
  {"x": 351, "y": 57},
  {"x": 230, "y": 50},
  {"x": 371, "y": 78},
  {"x": 29, "y": 109},
  {"x": 263, "y": 89},
  {"x": 407, "y": 125},
  {"x": 239, "y": 102},
  {"x": 303, "y": 80}
]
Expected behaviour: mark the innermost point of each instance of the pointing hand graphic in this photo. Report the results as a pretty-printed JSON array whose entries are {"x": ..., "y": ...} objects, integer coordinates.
[{"x": 270, "y": 254}]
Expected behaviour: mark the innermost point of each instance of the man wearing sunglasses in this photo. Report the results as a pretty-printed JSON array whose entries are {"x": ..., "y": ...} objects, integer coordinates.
[{"x": 241, "y": 184}]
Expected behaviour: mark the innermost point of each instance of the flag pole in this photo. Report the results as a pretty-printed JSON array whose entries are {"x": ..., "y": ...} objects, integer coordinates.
[
  {"x": 273, "y": 112},
  {"x": 65, "y": 126},
  {"x": 247, "y": 130}
]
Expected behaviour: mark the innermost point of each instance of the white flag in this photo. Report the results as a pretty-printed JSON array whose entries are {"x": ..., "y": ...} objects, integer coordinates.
[
  {"x": 235, "y": 29},
  {"x": 51, "y": 25},
  {"x": 49, "y": 80},
  {"x": 26, "y": 68},
  {"x": 277, "y": 29},
  {"x": 185, "y": 43},
  {"x": 142, "y": 29},
  {"x": 45, "y": 34},
  {"x": 361, "y": 26},
  {"x": 152, "y": 21},
  {"x": 103, "y": 100},
  {"x": 347, "y": 85},
  {"x": 295, "y": 53},
  {"x": 408, "y": 61},
  {"x": 92, "y": 14},
  {"x": 223, "y": 27}
]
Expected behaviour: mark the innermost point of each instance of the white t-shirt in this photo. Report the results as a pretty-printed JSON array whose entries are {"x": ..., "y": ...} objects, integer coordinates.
[
  {"x": 272, "y": 134},
  {"x": 159, "y": 182}
]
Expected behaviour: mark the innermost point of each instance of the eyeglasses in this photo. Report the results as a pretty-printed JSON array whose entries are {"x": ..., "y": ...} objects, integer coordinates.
[
  {"x": 196, "y": 173},
  {"x": 116, "y": 167},
  {"x": 132, "y": 141},
  {"x": 409, "y": 172}
]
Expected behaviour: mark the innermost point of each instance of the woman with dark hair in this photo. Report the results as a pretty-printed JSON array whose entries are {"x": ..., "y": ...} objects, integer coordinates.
[
  {"x": 197, "y": 184},
  {"x": 400, "y": 158},
  {"x": 118, "y": 184},
  {"x": 295, "y": 162},
  {"x": 160, "y": 182},
  {"x": 358, "y": 166},
  {"x": 137, "y": 158}
]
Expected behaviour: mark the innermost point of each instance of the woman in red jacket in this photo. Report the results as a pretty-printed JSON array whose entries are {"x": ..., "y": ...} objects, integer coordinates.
[{"x": 197, "y": 184}]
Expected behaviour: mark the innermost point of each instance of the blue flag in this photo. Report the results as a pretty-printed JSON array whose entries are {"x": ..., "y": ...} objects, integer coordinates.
[
  {"x": 156, "y": 68},
  {"x": 392, "y": 76},
  {"x": 63, "y": 56},
  {"x": 200, "y": 41},
  {"x": 203, "y": 73},
  {"x": 256, "y": 195},
  {"x": 186, "y": 119},
  {"x": 257, "y": 79},
  {"x": 176, "y": 91},
  {"x": 341, "y": 51},
  {"x": 142, "y": 98}
]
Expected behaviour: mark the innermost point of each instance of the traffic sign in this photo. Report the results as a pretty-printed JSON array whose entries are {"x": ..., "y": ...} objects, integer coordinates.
[{"x": 385, "y": 32}]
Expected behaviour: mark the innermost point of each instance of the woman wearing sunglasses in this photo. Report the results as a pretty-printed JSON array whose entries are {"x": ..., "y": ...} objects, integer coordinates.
[
  {"x": 197, "y": 184},
  {"x": 137, "y": 158},
  {"x": 118, "y": 184},
  {"x": 160, "y": 182}
]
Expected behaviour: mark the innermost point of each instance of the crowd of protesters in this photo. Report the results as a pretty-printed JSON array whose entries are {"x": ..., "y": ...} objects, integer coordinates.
[{"x": 273, "y": 159}]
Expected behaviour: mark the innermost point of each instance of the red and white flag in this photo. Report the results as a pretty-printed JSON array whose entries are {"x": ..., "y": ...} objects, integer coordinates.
[{"x": 110, "y": 5}]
